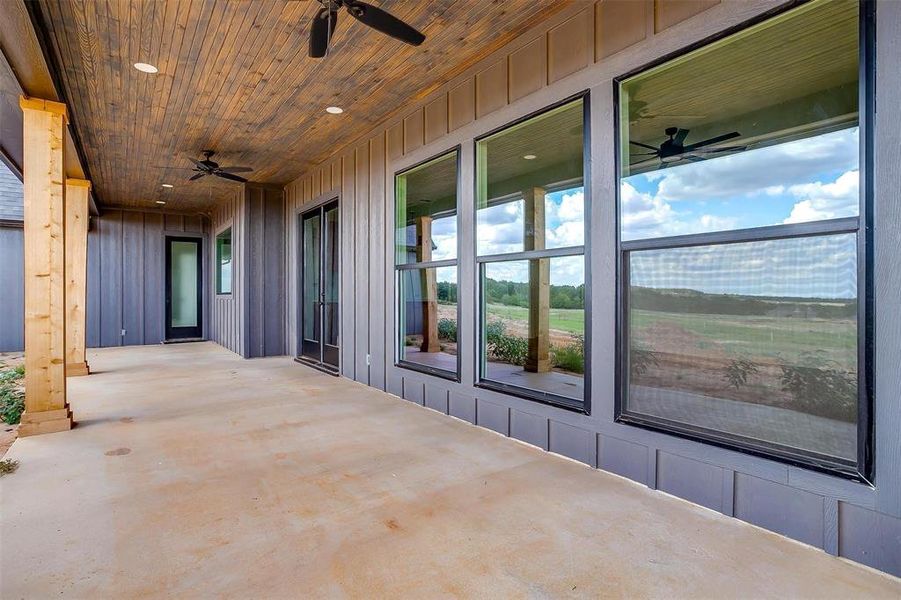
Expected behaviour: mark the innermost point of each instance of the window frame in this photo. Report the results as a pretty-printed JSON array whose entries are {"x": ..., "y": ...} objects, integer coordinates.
[
  {"x": 580, "y": 406},
  {"x": 862, "y": 225},
  {"x": 227, "y": 229},
  {"x": 451, "y": 262}
]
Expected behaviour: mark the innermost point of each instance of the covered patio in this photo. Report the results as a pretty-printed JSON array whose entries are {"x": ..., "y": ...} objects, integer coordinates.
[
  {"x": 510, "y": 299},
  {"x": 301, "y": 484}
]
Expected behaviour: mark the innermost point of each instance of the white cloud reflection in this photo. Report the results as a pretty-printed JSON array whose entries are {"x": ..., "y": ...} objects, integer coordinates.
[
  {"x": 804, "y": 180},
  {"x": 500, "y": 230}
]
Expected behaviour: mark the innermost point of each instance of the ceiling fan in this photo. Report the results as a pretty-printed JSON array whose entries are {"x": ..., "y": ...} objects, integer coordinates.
[
  {"x": 323, "y": 25},
  {"x": 208, "y": 167},
  {"x": 674, "y": 149}
]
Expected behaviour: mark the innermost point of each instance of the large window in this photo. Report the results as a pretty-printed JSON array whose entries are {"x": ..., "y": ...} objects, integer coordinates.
[
  {"x": 224, "y": 262},
  {"x": 741, "y": 241},
  {"x": 426, "y": 265},
  {"x": 530, "y": 237}
]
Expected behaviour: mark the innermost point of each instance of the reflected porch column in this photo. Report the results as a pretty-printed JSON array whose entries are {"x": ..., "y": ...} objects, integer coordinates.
[
  {"x": 429, "y": 285},
  {"x": 538, "y": 359}
]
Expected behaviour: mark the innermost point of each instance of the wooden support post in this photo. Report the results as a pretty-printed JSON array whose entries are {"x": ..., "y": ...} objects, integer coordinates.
[
  {"x": 429, "y": 286},
  {"x": 539, "y": 359},
  {"x": 46, "y": 408},
  {"x": 77, "y": 191}
]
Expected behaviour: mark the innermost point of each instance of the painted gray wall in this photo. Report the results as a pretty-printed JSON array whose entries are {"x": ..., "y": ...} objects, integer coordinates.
[
  {"x": 12, "y": 289},
  {"x": 839, "y": 516},
  {"x": 251, "y": 320},
  {"x": 227, "y": 310},
  {"x": 264, "y": 277},
  {"x": 126, "y": 266},
  {"x": 126, "y": 289}
]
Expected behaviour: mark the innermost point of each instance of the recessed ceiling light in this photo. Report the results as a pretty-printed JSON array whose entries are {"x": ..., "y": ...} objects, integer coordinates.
[
  {"x": 334, "y": 110},
  {"x": 160, "y": 201},
  {"x": 146, "y": 68},
  {"x": 530, "y": 157},
  {"x": 167, "y": 185}
]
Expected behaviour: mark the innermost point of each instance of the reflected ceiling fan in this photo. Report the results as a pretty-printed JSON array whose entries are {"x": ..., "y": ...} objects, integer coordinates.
[
  {"x": 207, "y": 167},
  {"x": 323, "y": 24},
  {"x": 674, "y": 149}
]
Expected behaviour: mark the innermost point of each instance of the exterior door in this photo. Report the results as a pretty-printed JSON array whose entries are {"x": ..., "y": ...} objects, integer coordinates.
[
  {"x": 184, "y": 288},
  {"x": 319, "y": 312}
]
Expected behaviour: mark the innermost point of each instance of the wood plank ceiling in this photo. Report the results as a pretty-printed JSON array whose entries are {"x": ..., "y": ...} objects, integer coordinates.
[{"x": 234, "y": 77}]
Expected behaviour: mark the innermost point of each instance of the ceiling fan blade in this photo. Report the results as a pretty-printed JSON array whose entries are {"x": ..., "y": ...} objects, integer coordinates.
[
  {"x": 197, "y": 176},
  {"x": 382, "y": 21},
  {"x": 236, "y": 169},
  {"x": 680, "y": 136},
  {"x": 713, "y": 140},
  {"x": 229, "y": 176},
  {"x": 643, "y": 145},
  {"x": 321, "y": 29},
  {"x": 727, "y": 149}
]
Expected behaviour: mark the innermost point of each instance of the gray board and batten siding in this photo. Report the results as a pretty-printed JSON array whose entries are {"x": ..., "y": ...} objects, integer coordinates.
[
  {"x": 125, "y": 278},
  {"x": 585, "y": 48},
  {"x": 126, "y": 275},
  {"x": 226, "y": 319},
  {"x": 249, "y": 321},
  {"x": 12, "y": 287},
  {"x": 12, "y": 263}
]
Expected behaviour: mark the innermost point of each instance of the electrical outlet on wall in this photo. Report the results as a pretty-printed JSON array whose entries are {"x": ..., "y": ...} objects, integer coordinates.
[
  {"x": 368, "y": 360},
  {"x": 123, "y": 333}
]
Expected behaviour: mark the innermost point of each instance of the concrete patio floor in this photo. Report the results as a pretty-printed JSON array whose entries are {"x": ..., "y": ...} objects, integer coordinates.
[{"x": 195, "y": 473}]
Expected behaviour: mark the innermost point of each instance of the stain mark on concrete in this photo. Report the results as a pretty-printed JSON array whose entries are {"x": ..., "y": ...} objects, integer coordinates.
[
  {"x": 393, "y": 525},
  {"x": 118, "y": 452},
  {"x": 127, "y": 420}
]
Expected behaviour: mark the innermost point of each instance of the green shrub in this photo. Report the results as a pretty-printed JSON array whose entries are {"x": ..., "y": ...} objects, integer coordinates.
[
  {"x": 494, "y": 330},
  {"x": 820, "y": 388},
  {"x": 640, "y": 360},
  {"x": 12, "y": 403},
  {"x": 14, "y": 374},
  {"x": 12, "y": 397},
  {"x": 447, "y": 329},
  {"x": 511, "y": 349},
  {"x": 503, "y": 347},
  {"x": 570, "y": 357},
  {"x": 738, "y": 371}
]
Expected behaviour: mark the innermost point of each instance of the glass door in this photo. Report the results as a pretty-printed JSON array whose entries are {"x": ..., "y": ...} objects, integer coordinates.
[
  {"x": 319, "y": 311},
  {"x": 184, "y": 294}
]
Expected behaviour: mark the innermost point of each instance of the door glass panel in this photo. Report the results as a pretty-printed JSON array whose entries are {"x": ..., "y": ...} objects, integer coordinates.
[
  {"x": 330, "y": 278},
  {"x": 311, "y": 233},
  {"x": 184, "y": 284}
]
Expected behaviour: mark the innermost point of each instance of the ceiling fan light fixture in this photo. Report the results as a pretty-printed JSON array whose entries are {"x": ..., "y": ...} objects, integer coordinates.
[
  {"x": 145, "y": 67},
  {"x": 160, "y": 201},
  {"x": 334, "y": 110},
  {"x": 168, "y": 185}
]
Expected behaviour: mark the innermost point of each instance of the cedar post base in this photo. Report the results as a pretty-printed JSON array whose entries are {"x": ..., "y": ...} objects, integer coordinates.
[
  {"x": 50, "y": 421},
  {"x": 77, "y": 369}
]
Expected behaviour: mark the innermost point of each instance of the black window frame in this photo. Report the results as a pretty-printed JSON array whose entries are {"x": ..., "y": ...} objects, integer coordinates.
[
  {"x": 219, "y": 236},
  {"x": 580, "y": 406},
  {"x": 863, "y": 471},
  {"x": 433, "y": 264}
]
